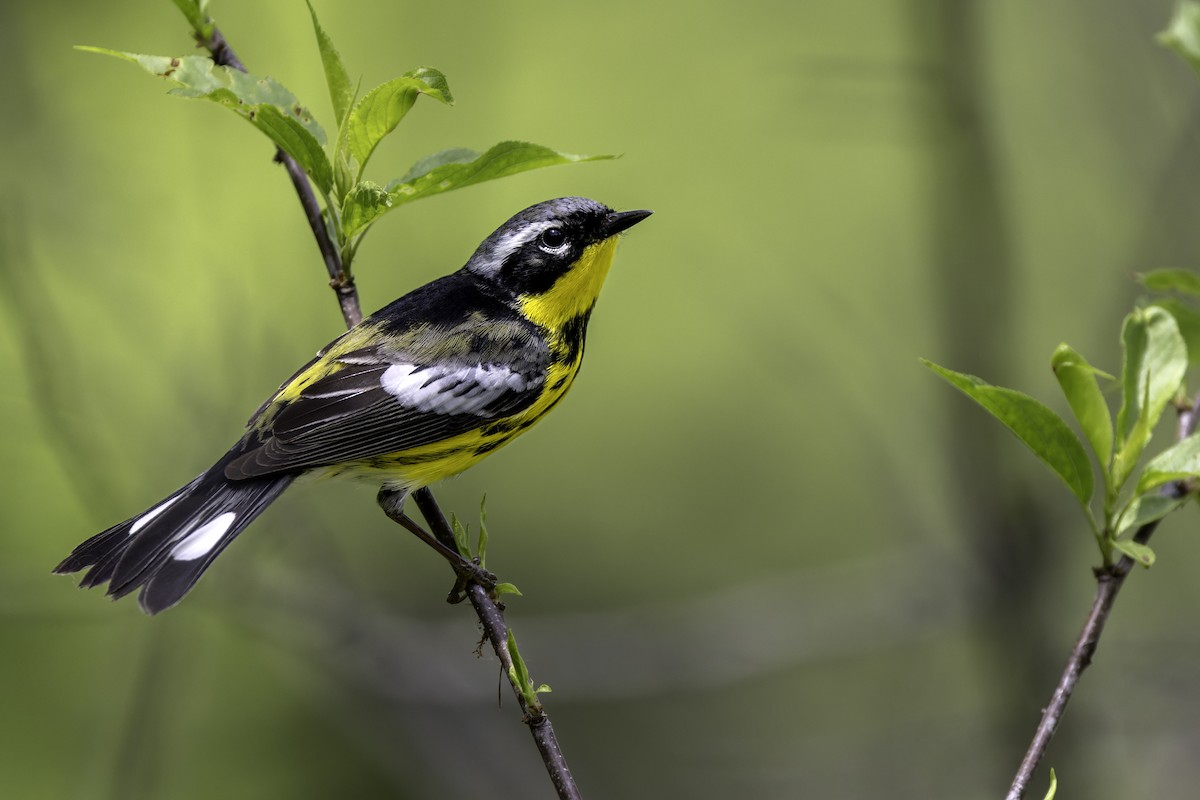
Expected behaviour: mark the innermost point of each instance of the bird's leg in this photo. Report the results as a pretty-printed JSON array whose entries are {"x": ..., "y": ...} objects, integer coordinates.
[{"x": 468, "y": 570}]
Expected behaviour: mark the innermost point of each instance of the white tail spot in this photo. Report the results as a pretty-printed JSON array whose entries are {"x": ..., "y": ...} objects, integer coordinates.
[
  {"x": 144, "y": 519},
  {"x": 204, "y": 538}
]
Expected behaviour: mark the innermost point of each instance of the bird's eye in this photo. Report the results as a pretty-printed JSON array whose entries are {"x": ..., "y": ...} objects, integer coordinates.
[{"x": 554, "y": 238}]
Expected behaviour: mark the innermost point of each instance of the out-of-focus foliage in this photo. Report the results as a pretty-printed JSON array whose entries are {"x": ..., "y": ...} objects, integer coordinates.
[
  {"x": 1155, "y": 366},
  {"x": 759, "y": 546}
]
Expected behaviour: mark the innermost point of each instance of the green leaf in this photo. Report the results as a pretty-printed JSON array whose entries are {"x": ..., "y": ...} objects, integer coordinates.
[
  {"x": 1127, "y": 456},
  {"x": 506, "y": 588},
  {"x": 483, "y": 532},
  {"x": 1184, "y": 281},
  {"x": 462, "y": 539},
  {"x": 1188, "y": 319},
  {"x": 1133, "y": 345},
  {"x": 292, "y": 138},
  {"x": 341, "y": 94},
  {"x": 518, "y": 674},
  {"x": 1078, "y": 381},
  {"x": 378, "y": 114},
  {"x": 1037, "y": 426},
  {"x": 362, "y": 205},
  {"x": 264, "y": 102},
  {"x": 454, "y": 169},
  {"x": 1053, "y": 786},
  {"x": 1178, "y": 462},
  {"x": 1145, "y": 509},
  {"x": 1140, "y": 553},
  {"x": 1183, "y": 33},
  {"x": 1155, "y": 364},
  {"x": 196, "y": 13}
]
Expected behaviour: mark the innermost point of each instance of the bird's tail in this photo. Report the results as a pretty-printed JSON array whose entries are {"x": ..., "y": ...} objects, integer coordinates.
[{"x": 165, "y": 549}]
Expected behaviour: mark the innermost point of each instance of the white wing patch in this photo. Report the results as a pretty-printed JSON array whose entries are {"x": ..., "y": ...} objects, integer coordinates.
[
  {"x": 144, "y": 519},
  {"x": 205, "y": 538},
  {"x": 444, "y": 389}
]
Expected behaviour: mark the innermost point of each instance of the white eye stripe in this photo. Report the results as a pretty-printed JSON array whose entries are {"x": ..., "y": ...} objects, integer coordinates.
[
  {"x": 451, "y": 389},
  {"x": 513, "y": 241}
]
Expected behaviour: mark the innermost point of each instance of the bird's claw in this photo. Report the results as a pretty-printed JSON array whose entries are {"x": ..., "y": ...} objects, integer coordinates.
[{"x": 469, "y": 572}]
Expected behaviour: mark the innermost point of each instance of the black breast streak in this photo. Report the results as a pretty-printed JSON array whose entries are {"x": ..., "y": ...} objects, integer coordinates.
[
  {"x": 569, "y": 347},
  {"x": 484, "y": 449}
]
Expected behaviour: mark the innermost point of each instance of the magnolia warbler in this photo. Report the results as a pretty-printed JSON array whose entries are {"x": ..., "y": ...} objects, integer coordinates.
[{"x": 419, "y": 391}]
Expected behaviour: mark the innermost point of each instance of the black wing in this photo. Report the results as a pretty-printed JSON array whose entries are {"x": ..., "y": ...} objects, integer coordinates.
[{"x": 383, "y": 398}]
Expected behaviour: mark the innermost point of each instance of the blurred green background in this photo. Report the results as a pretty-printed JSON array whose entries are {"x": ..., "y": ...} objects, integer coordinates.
[{"x": 764, "y": 552}]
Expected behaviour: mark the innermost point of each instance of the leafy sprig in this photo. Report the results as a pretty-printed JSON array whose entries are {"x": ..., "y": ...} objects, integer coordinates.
[
  {"x": 478, "y": 554},
  {"x": 352, "y": 203},
  {"x": 1152, "y": 375}
]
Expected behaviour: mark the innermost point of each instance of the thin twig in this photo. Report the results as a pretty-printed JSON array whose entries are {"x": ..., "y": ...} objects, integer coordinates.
[
  {"x": 340, "y": 280},
  {"x": 495, "y": 629},
  {"x": 490, "y": 612},
  {"x": 1109, "y": 581}
]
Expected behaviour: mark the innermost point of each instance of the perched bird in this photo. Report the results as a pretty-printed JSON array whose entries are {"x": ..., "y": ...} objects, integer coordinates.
[{"x": 419, "y": 391}]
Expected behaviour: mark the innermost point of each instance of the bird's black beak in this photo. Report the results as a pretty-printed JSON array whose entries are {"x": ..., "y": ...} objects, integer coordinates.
[{"x": 619, "y": 221}]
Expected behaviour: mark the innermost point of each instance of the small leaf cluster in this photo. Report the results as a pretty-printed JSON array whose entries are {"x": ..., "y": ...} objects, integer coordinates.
[
  {"x": 352, "y": 202},
  {"x": 518, "y": 675},
  {"x": 1152, "y": 378},
  {"x": 462, "y": 542},
  {"x": 1160, "y": 342}
]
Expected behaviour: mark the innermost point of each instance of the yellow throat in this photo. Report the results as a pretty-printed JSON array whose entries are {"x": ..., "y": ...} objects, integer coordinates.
[{"x": 575, "y": 292}]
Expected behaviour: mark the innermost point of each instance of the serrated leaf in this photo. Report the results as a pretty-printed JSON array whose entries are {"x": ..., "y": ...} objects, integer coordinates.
[
  {"x": 362, "y": 205},
  {"x": 264, "y": 102},
  {"x": 1183, "y": 33},
  {"x": 292, "y": 138},
  {"x": 1184, "y": 281},
  {"x": 340, "y": 92},
  {"x": 1188, "y": 319},
  {"x": 380, "y": 111},
  {"x": 1145, "y": 509},
  {"x": 1078, "y": 381},
  {"x": 1140, "y": 553},
  {"x": 454, "y": 169},
  {"x": 1154, "y": 368},
  {"x": 1178, "y": 462},
  {"x": 1042, "y": 431}
]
